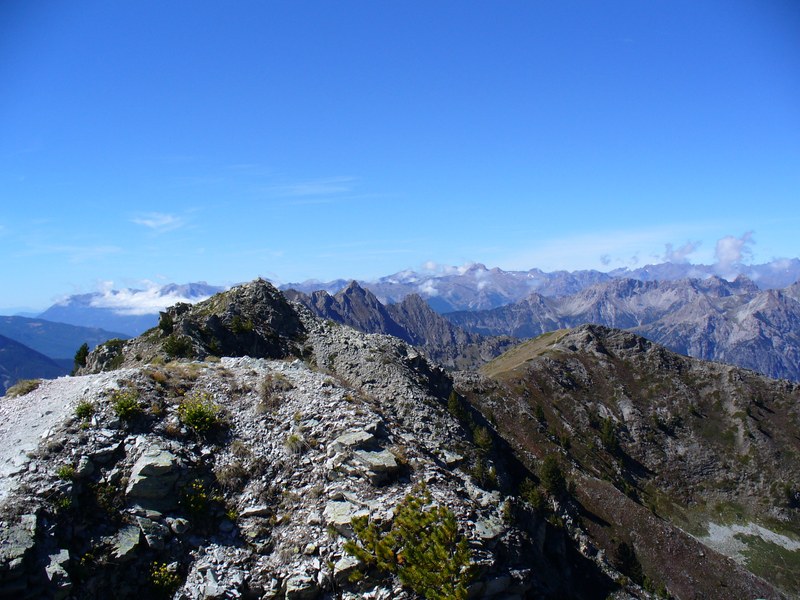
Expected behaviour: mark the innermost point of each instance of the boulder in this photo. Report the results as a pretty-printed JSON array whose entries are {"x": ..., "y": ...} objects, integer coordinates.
[{"x": 152, "y": 480}]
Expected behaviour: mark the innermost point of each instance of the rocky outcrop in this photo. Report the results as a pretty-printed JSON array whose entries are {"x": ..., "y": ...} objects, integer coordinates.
[{"x": 411, "y": 320}]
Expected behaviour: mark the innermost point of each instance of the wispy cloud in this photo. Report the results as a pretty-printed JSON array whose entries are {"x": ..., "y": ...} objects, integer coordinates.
[
  {"x": 139, "y": 302},
  {"x": 159, "y": 222},
  {"x": 681, "y": 254},
  {"x": 73, "y": 253},
  {"x": 317, "y": 187}
]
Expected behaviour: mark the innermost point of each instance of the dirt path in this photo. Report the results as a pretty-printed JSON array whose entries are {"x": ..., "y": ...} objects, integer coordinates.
[{"x": 27, "y": 420}]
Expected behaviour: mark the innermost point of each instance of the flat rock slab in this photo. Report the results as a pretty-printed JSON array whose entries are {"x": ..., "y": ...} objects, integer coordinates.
[
  {"x": 152, "y": 479},
  {"x": 352, "y": 439},
  {"x": 339, "y": 515}
]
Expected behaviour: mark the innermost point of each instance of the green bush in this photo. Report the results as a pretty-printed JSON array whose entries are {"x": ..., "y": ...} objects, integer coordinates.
[
  {"x": 125, "y": 404},
  {"x": 84, "y": 410},
  {"x": 177, "y": 346},
  {"x": 608, "y": 436},
  {"x": 241, "y": 325},
  {"x": 552, "y": 478},
  {"x": 165, "y": 323},
  {"x": 532, "y": 495},
  {"x": 423, "y": 548},
  {"x": 483, "y": 439},
  {"x": 80, "y": 357},
  {"x": 66, "y": 472},
  {"x": 200, "y": 413}
]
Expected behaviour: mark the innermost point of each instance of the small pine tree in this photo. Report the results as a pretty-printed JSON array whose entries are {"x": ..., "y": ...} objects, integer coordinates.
[
  {"x": 80, "y": 357},
  {"x": 552, "y": 477},
  {"x": 423, "y": 547}
]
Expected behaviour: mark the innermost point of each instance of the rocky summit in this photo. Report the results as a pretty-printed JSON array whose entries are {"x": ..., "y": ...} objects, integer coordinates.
[{"x": 247, "y": 448}]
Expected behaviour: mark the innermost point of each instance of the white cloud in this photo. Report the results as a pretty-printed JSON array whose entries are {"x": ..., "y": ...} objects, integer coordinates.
[
  {"x": 159, "y": 222},
  {"x": 731, "y": 251},
  {"x": 428, "y": 288},
  {"x": 440, "y": 269},
  {"x": 679, "y": 255},
  {"x": 129, "y": 301}
]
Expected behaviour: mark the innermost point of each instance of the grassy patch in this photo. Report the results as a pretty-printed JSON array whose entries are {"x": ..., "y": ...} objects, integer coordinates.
[
  {"x": 22, "y": 387},
  {"x": 773, "y": 562}
]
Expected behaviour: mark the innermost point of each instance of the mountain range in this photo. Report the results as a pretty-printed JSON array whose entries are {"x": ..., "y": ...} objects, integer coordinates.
[
  {"x": 712, "y": 319},
  {"x": 476, "y": 287},
  {"x": 18, "y": 361},
  {"x": 246, "y": 447}
]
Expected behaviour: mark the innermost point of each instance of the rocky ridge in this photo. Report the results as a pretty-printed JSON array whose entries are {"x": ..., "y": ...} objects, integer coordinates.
[
  {"x": 664, "y": 450},
  {"x": 308, "y": 425},
  {"x": 411, "y": 320}
]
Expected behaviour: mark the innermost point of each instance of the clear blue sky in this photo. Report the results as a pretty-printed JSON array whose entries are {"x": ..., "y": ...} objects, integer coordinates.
[{"x": 220, "y": 141}]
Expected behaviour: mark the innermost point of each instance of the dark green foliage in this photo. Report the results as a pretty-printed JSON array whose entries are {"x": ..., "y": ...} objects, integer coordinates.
[
  {"x": 84, "y": 410},
  {"x": 455, "y": 405},
  {"x": 608, "y": 436},
  {"x": 485, "y": 476},
  {"x": 483, "y": 439},
  {"x": 628, "y": 563},
  {"x": 531, "y": 494},
  {"x": 241, "y": 325},
  {"x": 80, "y": 357},
  {"x": 166, "y": 324},
  {"x": 178, "y": 346},
  {"x": 423, "y": 548},
  {"x": 538, "y": 413},
  {"x": 551, "y": 476}
]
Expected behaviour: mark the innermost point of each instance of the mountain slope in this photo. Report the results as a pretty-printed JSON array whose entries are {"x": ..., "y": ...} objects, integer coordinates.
[
  {"x": 476, "y": 287},
  {"x": 18, "y": 361},
  {"x": 55, "y": 340},
  {"x": 131, "y": 311},
  {"x": 666, "y": 452}
]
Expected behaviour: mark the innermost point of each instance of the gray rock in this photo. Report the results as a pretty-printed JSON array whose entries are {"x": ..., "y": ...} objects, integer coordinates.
[
  {"x": 125, "y": 543},
  {"x": 379, "y": 465},
  {"x": 339, "y": 515},
  {"x": 154, "y": 533},
  {"x": 260, "y": 510},
  {"x": 352, "y": 439},
  {"x": 153, "y": 478},
  {"x": 301, "y": 586},
  {"x": 85, "y": 468},
  {"x": 56, "y": 571},
  {"x": 16, "y": 543},
  {"x": 344, "y": 567}
]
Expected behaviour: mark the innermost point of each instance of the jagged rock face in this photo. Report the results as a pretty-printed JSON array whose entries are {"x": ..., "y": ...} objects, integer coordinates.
[
  {"x": 712, "y": 319},
  {"x": 649, "y": 432},
  {"x": 411, "y": 320},
  {"x": 264, "y": 498}
]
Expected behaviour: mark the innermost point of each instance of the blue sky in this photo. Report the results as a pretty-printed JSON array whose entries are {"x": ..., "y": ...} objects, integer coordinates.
[{"x": 220, "y": 141}]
